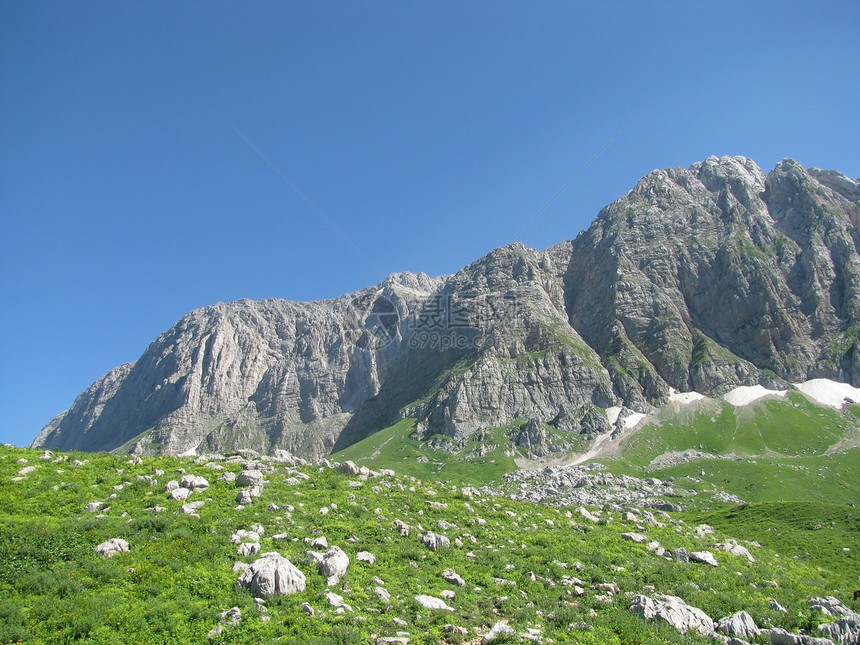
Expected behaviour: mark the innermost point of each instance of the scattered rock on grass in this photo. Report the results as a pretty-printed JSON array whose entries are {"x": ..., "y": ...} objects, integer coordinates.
[
  {"x": 449, "y": 575},
  {"x": 334, "y": 563},
  {"x": 365, "y": 556},
  {"x": 434, "y": 542},
  {"x": 431, "y": 602},
  {"x": 739, "y": 624},
  {"x": 703, "y": 557},
  {"x": 673, "y": 611},
  {"x": 112, "y": 547},
  {"x": 501, "y": 631},
  {"x": 250, "y": 478},
  {"x": 194, "y": 482},
  {"x": 272, "y": 574}
]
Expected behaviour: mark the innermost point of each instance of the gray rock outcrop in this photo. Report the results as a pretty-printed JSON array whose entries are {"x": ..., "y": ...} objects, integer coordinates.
[
  {"x": 112, "y": 547},
  {"x": 673, "y": 611},
  {"x": 431, "y": 602},
  {"x": 844, "y": 631},
  {"x": 272, "y": 574},
  {"x": 780, "y": 636},
  {"x": 499, "y": 632},
  {"x": 334, "y": 564},
  {"x": 434, "y": 541},
  {"x": 449, "y": 575},
  {"x": 704, "y": 557},
  {"x": 739, "y": 624}
]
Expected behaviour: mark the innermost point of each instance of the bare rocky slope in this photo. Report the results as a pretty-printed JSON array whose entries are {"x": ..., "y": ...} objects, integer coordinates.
[{"x": 702, "y": 279}]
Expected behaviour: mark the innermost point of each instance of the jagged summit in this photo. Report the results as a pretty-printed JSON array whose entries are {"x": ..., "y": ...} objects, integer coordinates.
[{"x": 705, "y": 278}]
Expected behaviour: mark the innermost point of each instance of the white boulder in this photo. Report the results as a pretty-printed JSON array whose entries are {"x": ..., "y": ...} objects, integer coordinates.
[
  {"x": 334, "y": 563},
  {"x": 673, "y": 611},
  {"x": 431, "y": 602},
  {"x": 739, "y": 624},
  {"x": 272, "y": 574},
  {"x": 112, "y": 547}
]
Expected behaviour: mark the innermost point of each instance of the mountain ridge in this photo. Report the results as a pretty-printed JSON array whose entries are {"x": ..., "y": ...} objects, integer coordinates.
[{"x": 705, "y": 279}]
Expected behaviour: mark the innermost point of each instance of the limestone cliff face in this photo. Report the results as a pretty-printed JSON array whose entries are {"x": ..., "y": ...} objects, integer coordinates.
[
  {"x": 697, "y": 279},
  {"x": 719, "y": 275},
  {"x": 262, "y": 375}
]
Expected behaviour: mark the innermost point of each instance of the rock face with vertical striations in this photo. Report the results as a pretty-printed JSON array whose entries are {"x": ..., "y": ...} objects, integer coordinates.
[{"x": 703, "y": 279}]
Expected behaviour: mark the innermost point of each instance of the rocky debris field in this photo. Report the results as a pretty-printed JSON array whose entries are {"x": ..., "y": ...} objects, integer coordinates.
[
  {"x": 592, "y": 485},
  {"x": 103, "y": 549}
]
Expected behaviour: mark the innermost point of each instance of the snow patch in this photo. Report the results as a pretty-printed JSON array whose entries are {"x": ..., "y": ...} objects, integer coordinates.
[
  {"x": 191, "y": 452},
  {"x": 685, "y": 398},
  {"x": 633, "y": 419},
  {"x": 829, "y": 393},
  {"x": 595, "y": 449},
  {"x": 745, "y": 394},
  {"x": 630, "y": 421}
]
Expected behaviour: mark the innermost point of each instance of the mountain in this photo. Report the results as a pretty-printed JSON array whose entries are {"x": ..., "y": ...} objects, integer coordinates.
[{"x": 700, "y": 279}]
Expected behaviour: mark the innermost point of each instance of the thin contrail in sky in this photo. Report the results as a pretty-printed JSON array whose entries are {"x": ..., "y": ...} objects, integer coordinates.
[
  {"x": 569, "y": 182},
  {"x": 306, "y": 199}
]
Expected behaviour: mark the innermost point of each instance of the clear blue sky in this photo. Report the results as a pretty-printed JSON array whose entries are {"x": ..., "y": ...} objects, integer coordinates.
[{"x": 429, "y": 133}]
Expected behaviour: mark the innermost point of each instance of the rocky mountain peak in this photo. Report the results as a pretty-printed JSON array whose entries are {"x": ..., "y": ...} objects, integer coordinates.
[{"x": 702, "y": 278}]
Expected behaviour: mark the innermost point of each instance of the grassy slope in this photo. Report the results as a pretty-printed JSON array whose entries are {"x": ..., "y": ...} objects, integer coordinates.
[
  {"x": 177, "y": 577},
  {"x": 394, "y": 448},
  {"x": 781, "y": 449},
  {"x": 790, "y": 428},
  {"x": 818, "y": 533}
]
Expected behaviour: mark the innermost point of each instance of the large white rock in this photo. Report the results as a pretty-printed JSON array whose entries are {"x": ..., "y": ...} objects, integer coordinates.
[
  {"x": 348, "y": 468},
  {"x": 739, "y": 624},
  {"x": 844, "y": 631},
  {"x": 587, "y": 514},
  {"x": 112, "y": 547},
  {"x": 498, "y": 632},
  {"x": 180, "y": 493},
  {"x": 334, "y": 562},
  {"x": 250, "y": 478},
  {"x": 248, "y": 548},
  {"x": 736, "y": 549},
  {"x": 286, "y": 457},
  {"x": 431, "y": 602},
  {"x": 434, "y": 541},
  {"x": 704, "y": 557},
  {"x": 673, "y": 611},
  {"x": 272, "y": 574},
  {"x": 449, "y": 575},
  {"x": 194, "y": 482}
]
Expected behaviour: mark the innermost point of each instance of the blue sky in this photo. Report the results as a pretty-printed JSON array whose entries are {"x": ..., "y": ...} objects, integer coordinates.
[{"x": 429, "y": 133}]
